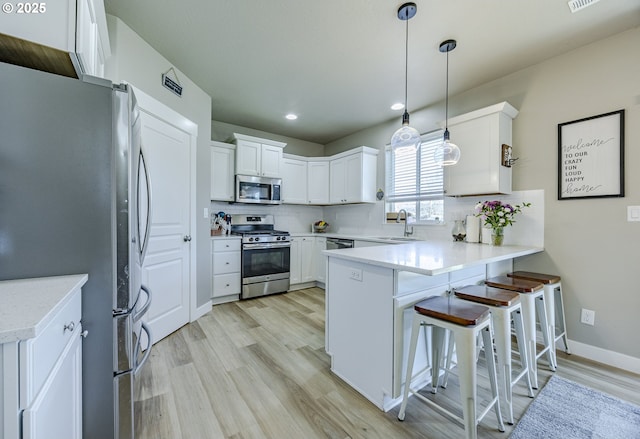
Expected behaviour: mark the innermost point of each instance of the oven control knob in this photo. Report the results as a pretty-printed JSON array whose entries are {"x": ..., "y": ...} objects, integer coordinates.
[
  {"x": 278, "y": 238},
  {"x": 257, "y": 239},
  {"x": 250, "y": 239}
]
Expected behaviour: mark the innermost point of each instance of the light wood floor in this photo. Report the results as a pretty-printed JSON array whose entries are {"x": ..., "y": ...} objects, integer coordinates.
[{"x": 258, "y": 369}]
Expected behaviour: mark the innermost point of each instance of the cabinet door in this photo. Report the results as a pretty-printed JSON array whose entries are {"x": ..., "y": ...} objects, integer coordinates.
[
  {"x": 353, "y": 178},
  {"x": 87, "y": 36},
  {"x": 294, "y": 181},
  {"x": 318, "y": 182},
  {"x": 337, "y": 174},
  {"x": 307, "y": 266},
  {"x": 294, "y": 265},
  {"x": 248, "y": 157},
  {"x": 222, "y": 177},
  {"x": 320, "y": 259},
  {"x": 57, "y": 410},
  {"x": 270, "y": 163}
]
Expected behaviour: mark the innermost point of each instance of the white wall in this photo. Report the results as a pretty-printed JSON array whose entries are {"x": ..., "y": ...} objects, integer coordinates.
[
  {"x": 588, "y": 242},
  {"x": 137, "y": 63}
]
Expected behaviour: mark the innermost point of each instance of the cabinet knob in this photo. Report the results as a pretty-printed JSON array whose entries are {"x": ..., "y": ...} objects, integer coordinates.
[
  {"x": 69, "y": 327},
  {"x": 85, "y": 333}
]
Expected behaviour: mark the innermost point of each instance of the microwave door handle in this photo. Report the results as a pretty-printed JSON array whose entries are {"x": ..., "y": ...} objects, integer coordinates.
[{"x": 143, "y": 242}]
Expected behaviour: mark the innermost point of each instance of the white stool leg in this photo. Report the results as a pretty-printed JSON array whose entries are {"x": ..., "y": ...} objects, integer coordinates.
[
  {"x": 549, "y": 304},
  {"x": 493, "y": 378},
  {"x": 559, "y": 309},
  {"x": 449, "y": 354},
  {"x": 522, "y": 347},
  {"x": 541, "y": 311},
  {"x": 438, "y": 337},
  {"x": 529, "y": 322},
  {"x": 415, "y": 331},
  {"x": 466, "y": 347},
  {"x": 501, "y": 325}
]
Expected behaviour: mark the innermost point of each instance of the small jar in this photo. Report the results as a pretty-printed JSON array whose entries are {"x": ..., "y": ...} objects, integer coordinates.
[{"x": 458, "y": 232}]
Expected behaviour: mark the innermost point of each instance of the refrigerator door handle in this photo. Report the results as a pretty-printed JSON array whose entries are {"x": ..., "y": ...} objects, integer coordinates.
[
  {"x": 143, "y": 241},
  {"x": 145, "y": 357},
  {"x": 138, "y": 315}
]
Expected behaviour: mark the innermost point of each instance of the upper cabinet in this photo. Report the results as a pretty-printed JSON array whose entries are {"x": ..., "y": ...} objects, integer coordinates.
[
  {"x": 305, "y": 180},
  {"x": 65, "y": 37},
  {"x": 481, "y": 135},
  {"x": 353, "y": 176},
  {"x": 256, "y": 156},
  {"x": 222, "y": 171}
]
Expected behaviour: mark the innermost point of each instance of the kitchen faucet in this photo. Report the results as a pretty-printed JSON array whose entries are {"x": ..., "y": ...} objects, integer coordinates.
[{"x": 406, "y": 218}]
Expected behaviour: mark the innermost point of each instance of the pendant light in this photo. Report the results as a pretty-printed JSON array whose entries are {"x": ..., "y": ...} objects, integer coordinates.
[
  {"x": 447, "y": 153},
  {"x": 406, "y": 138}
]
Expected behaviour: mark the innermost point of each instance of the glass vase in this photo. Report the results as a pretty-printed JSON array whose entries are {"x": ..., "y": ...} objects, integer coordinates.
[
  {"x": 458, "y": 232},
  {"x": 497, "y": 235}
]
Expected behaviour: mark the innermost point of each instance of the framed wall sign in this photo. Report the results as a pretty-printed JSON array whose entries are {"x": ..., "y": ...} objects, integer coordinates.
[{"x": 591, "y": 157}]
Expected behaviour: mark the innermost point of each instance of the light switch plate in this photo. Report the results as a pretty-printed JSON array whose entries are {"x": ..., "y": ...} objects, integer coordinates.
[{"x": 633, "y": 213}]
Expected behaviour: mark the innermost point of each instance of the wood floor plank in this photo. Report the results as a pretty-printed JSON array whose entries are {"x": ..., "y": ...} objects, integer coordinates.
[{"x": 257, "y": 369}]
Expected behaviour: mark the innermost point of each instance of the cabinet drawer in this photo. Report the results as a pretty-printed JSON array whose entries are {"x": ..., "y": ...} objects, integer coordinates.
[
  {"x": 226, "y": 245},
  {"x": 226, "y": 284},
  {"x": 226, "y": 262},
  {"x": 38, "y": 355}
]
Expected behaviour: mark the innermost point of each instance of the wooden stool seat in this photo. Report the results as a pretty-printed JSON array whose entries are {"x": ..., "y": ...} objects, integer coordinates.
[
  {"x": 487, "y": 295},
  {"x": 515, "y": 284},
  {"x": 452, "y": 310},
  {"x": 537, "y": 277}
]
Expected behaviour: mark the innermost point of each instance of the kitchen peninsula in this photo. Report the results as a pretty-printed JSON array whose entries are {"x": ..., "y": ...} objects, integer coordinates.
[{"x": 370, "y": 294}]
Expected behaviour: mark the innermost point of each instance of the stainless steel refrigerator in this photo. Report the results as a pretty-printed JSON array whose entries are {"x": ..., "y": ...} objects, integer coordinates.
[{"x": 75, "y": 198}]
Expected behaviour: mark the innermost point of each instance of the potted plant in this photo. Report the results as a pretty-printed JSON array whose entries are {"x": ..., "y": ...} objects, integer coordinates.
[{"x": 497, "y": 216}]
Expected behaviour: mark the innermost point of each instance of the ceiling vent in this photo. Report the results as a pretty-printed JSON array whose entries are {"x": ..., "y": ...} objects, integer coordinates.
[{"x": 576, "y": 5}]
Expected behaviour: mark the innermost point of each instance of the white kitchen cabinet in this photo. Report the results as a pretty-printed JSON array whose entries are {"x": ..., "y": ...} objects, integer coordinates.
[
  {"x": 294, "y": 181},
  {"x": 320, "y": 259},
  {"x": 302, "y": 260},
  {"x": 258, "y": 157},
  {"x": 222, "y": 171},
  {"x": 226, "y": 268},
  {"x": 67, "y": 37},
  {"x": 480, "y": 136},
  {"x": 318, "y": 181},
  {"x": 41, "y": 374},
  {"x": 353, "y": 176}
]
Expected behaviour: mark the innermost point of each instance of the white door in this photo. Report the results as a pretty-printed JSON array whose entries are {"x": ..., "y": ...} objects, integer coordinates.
[{"x": 166, "y": 268}]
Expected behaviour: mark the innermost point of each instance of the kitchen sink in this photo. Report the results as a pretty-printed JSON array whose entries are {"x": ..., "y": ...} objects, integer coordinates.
[{"x": 396, "y": 238}]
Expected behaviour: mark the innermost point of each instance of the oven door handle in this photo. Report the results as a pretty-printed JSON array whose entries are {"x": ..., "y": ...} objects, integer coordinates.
[{"x": 266, "y": 245}]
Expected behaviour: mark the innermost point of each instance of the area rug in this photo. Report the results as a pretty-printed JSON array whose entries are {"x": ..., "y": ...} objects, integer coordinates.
[{"x": 567, "y": 410}]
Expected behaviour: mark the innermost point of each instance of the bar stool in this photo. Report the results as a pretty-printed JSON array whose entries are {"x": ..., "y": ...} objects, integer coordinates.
[
  {"x": 465, "y": 321},
  {"x": 504, "y": 306},
  {"x": 533, "y": 304},
  {"x": 554, "y": 303}
]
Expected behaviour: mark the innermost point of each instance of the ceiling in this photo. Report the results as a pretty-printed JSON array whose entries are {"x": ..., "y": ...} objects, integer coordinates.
[{"x": 340, "y": 64}]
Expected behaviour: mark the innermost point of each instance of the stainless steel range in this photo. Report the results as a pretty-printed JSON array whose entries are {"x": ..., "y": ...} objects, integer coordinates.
[{"x": 265, "y": 255}]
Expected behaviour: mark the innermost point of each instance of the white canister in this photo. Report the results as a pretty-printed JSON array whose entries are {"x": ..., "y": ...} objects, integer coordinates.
[{"x": 473, "y": 228}]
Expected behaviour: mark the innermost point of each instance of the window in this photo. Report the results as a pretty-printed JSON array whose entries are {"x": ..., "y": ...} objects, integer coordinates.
[{"x": 415, "y": 181}]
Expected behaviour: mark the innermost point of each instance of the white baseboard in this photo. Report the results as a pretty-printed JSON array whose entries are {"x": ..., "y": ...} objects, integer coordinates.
[{"x": 615, "y": 359}]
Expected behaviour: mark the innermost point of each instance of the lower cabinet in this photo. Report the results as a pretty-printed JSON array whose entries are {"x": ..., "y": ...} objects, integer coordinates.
[
  {"x": 307, "y": 263},
  {"x": 41, "y": 379},
  {"x": 320, "y": 259},
  {"x": 225, "y": 262}
]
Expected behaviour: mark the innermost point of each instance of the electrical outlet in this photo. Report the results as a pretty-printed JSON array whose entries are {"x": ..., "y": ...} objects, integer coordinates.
[
  {"x": 356, "y": 274},
  {"x": 206, "y": 213},
  {"x": 588, "y": 317}
]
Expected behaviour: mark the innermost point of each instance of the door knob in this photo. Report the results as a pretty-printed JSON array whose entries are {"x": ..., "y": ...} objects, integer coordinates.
[{"x": 187, "y": 238}]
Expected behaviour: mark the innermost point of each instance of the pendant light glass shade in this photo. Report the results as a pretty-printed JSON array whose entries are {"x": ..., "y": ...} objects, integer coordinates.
[
  {"x": 447, "y": 153},
  {"x": 406, "y": 138}
]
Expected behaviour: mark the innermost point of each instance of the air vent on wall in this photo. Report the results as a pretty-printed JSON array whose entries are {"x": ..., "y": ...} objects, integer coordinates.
[{"x": 576, "y": 5}]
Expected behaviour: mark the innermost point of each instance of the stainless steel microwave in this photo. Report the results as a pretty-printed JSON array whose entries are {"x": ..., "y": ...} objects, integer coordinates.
[{"x": 258, "y": 190}]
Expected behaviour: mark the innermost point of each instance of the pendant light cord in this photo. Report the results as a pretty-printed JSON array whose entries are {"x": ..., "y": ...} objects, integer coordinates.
[
  {"x": 446, "y": 111},
  {"x": 406, "y": 59}
]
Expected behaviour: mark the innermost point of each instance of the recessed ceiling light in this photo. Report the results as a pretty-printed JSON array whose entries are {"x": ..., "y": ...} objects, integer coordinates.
[
  {"x": 291, "y": 116},
  {"x": 397, "y": 106}
]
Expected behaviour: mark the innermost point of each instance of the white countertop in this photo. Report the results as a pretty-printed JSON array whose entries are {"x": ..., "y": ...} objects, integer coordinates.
[
  {"x": 432, "y": 257},
  {"x": 27, "y": 305}
]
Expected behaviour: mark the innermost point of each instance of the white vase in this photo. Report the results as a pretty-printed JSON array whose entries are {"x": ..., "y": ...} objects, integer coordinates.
[
  {"x": 473, "y": 228},
  {"x": 486, "y": 235}
]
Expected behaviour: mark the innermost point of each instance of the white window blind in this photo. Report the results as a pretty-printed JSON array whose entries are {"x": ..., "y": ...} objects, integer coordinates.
[{"x": 415, "y": 182}]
